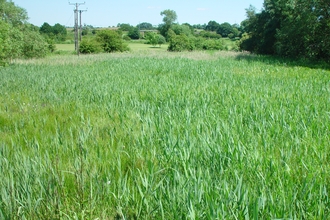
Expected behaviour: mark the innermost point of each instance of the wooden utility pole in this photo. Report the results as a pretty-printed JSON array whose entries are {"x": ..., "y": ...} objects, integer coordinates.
[
  {"x": 76, "y": 28},
  {"x": 80, "y": 11}
]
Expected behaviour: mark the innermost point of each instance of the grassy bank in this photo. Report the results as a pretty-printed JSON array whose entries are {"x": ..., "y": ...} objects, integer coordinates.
[{"x": 154, "y": 135}]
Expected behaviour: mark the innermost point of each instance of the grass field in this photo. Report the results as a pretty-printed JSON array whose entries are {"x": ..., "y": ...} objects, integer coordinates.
[
  {"x": 159, "y": 135},
  {"x": 136, "y": 45},
  {"x": 64, "y": 47}
]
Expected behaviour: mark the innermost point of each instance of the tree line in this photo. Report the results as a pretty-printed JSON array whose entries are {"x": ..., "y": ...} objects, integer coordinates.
[
  {"x": 296, "y": 28},
  {"x": 18, "y": 38},
  {"x": 284, "y": 28}
]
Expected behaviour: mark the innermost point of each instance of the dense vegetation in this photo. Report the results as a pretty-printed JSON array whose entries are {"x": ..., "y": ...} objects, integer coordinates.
[
  {"x": 57, "y": 32},
  {"x": 105, "y": 41},
  {"x": 161, "y": 136},
  {"x": 289, "y": 28},
  {"x": 18, "y": 38}
]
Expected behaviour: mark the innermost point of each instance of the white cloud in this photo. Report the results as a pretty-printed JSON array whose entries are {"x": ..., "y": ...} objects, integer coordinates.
[{"x": 202, "y": 9}]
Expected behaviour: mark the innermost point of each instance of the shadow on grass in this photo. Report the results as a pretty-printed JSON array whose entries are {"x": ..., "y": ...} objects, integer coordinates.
[
  {"x": 283, "y": 61},
  {"x": 155, "y": 47}
]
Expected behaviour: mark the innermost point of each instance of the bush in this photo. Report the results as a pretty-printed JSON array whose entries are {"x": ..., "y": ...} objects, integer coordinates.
[
  {"x": 111, "y": 41},
  {"x": 88, "y": 46},
  {"x": 183, "y": 42},
  {"x": 208, "y": 34},
  {"x": 213, "y": 45},
  {"x": 51, "y": 45},
  {"x": 161, "y": 40},
  {"x": 154, "y": 39},
  {"x": 126, "y": 38},
  {"x": 34, "y": 45},
  {"x": 180, "y": 43},
  {"x": 134, "y": 33}
]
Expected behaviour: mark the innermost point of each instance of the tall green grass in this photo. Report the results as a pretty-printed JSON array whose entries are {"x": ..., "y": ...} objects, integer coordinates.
[{"x": 184, "y": 136}]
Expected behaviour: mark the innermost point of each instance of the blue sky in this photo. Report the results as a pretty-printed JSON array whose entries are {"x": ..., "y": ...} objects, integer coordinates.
[{"x": 105, "y": 13}]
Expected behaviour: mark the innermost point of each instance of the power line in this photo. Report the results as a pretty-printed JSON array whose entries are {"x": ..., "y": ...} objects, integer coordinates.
[{"x": 76, "y": 30}]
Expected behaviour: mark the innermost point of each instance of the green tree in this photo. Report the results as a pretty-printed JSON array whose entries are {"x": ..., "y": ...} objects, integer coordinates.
[
  {"x": 134, "y": 33},
  {"x": 145, "y": 26},
  {"x": 199, "y": 26},
  {"x": 18, "y": 38},
  {"x": 225, "y": 29},
  {"x": 125, "y": 27},
  {"x": 289, "y": 28},
  {"x": 60, "y": 31},
  {"x": 182, "y": 29},
  {"x": 212, "y": 26},
  {"x": 5, "y": 43},
  {"x": 34, "y": 44},
  {"x": 12, "y": 14},
  {"x": 46, "y": 28},
  {"x": 169, "y": 17},
  {"x": 57, "y": 32}
]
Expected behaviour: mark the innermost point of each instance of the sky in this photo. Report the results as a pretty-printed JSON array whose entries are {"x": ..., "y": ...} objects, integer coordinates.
[{"x": 108, "y": 13}]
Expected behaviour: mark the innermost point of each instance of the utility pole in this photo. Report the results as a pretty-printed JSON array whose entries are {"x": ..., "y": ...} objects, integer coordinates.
[
  {"x": 80, "y": 11},
  {"x": 76, "y": 30}
]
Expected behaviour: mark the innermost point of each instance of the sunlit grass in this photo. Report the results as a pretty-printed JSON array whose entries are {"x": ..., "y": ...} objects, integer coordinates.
[
  {"x": 64, "y": 47},
  {"x": 154, "y": 135}
]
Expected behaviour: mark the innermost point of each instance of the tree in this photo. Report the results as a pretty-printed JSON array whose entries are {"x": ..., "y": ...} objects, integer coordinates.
[
  {"x": 12, "y": 14},
  {"x": 212, "y": 26},
  {"x": 182, "y": 29},
  {"x": 46, "y": 28},
  {"x": 34, "y": 44},
  {"x": 199, "y": 26},
  {"x": 225, "y": 29},
  {"x": 134, "y": 33},
  {"x": 5, "y": 44},
  {"x": 57, "y": 32},
  {"x": 125, "y": 27},
  {"x": 169, "y": 18},
  {"x": 145, "y": 26},
  {"x": 18, "y": 38},
  {"x": 294, "y": 28},
  {"x": 59, "y": 29},
  {"x": 304, "y": 31}
]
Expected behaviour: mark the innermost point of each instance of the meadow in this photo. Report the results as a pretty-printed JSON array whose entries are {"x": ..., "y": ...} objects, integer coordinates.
[{"x": 156, "y": 135}]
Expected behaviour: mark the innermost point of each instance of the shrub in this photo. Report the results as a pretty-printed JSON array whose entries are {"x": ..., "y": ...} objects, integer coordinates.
[
  {"x": 111, "y": 41},
  {"x": 208, "y": 34},
  {"x": 154, "y": 39},
  {"x": 88, "y": 46},
  {"x": 161, "y": 40},
  {"x": 134, "y": 33},
  {"x": 126, "y": 38},
  {"x": 34, "y": 45},
  {"x": 213, "y": 45},
  {"x": 51, "y": 45},
  {"x": 181, "y": 43}
]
